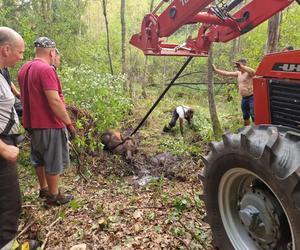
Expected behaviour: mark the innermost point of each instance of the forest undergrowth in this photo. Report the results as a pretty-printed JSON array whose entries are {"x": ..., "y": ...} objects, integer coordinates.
[{"x": 152, "y": 202}]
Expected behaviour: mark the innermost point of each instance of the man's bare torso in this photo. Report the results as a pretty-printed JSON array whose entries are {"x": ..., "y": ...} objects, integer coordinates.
[{"x": 245, "y": 84}]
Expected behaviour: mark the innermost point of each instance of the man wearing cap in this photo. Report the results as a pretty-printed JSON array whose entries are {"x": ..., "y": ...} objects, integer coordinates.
[
  {"x": 244, "y": 76},
  {"x": 46, "y": 119}
]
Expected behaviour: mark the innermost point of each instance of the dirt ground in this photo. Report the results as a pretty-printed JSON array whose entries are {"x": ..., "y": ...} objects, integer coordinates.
[{"x": 151, "y": 202}]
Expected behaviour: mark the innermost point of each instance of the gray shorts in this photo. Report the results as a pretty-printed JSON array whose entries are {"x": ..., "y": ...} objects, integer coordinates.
[{"x": 49, "y": 148}]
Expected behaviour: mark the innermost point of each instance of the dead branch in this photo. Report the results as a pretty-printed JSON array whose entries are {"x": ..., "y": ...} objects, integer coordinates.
[
  {"x": 25, "y": 229},
  {"x": 49, "y": 232},
  {"x": 146, "y": 207},
  {"x": 182, "y": 241},
  {"x": 78, "y": 161}
]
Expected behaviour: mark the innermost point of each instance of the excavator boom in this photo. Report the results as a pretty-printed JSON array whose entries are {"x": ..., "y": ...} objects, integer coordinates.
[{"x": 220, "y": 22}]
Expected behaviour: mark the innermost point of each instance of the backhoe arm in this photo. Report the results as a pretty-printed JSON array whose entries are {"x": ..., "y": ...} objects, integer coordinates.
[{"x": 221, "y": 22}]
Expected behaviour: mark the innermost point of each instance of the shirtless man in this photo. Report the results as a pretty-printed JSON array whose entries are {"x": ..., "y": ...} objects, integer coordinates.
[{"x": 244, "y": 76}]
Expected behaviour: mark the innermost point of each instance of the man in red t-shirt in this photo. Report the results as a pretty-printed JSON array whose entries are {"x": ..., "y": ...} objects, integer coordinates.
[{"x": 46, "y": 118}]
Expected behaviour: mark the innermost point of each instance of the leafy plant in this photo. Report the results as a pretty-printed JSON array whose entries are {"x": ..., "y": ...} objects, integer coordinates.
[
  {"x": 182, "y": 203},
  {"x": 101, "y": 94},
  {"x": 151, "y": 215},
  {"x": 76, "y": 204},
  {"x": 179, "y": 231}
]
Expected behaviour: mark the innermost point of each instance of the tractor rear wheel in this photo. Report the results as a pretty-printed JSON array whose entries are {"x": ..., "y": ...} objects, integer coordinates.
[{"x": 252, "y": 189}]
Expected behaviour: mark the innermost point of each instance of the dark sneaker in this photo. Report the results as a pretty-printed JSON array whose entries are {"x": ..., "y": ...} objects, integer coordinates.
[
  {"x": 43, "y": 193},
  {"x": 59, "y": 199},
  {"x": 166, "y": 129}
]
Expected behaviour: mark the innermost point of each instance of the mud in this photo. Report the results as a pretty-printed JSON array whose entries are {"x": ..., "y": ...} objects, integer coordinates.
[{"x": 138, "y": 169}]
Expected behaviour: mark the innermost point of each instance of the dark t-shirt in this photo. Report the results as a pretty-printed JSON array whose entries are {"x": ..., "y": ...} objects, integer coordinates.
[
  {"x": 6, "y": 75},
  {"x": 18, "y": 105}
]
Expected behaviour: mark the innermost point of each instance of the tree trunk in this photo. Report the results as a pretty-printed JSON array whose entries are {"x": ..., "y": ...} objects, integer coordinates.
[
  {"x": 235, "y": 49},
  {"x": 165, "y": 66},
  {"x": 145, "y": 75},
  {"x": 144, "y": 94},
  {"x": 123, "y": 34},
  {"x": 211, "y": 97},
  {"x": 123, "y": 45},
  {"x": 107, "y": 36},
  {"x": 273, "y": 33},
  {"x": 151, "y": 5}
]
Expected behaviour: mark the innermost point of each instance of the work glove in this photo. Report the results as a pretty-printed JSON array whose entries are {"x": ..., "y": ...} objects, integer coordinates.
[{"x": 72, "y": 131}]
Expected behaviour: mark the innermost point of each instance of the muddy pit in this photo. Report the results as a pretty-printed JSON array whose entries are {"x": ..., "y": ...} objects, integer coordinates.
[{"x": 138, "y": 171}]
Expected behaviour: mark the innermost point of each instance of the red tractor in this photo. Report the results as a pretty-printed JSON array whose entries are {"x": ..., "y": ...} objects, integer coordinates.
[{"x": 251, "y": 179}]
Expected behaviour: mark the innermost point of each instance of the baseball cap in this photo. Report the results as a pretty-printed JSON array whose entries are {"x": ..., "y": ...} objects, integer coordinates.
[{"x": 44, "y": 42}]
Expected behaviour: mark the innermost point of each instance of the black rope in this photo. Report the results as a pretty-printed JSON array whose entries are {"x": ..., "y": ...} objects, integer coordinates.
[
  {"x": 162, "y": 95},
  {"x": 156, "y": 102}
]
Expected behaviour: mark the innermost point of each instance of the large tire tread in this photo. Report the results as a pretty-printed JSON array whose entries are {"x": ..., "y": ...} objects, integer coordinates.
[{"x": 272, "y": 152}]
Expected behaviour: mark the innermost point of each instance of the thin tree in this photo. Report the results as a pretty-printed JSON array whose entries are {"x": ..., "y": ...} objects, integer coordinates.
[
  {"x": 151, "y": 5},
  {"x": 123, "y": 46},
  {"x": 107, "y": 36},
  {"x": 236, "y": 43},
  {"x": 235, "y": 49},
  {"x": 273, "y": 33},
  {"x": 145, "y": 75},
  {"x": 123, "y": 34},
  {"x": 211, "y": 97}
]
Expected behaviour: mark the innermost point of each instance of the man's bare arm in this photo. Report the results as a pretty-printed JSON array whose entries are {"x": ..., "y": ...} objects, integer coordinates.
[
  {"x": 8, "y": 152},
  {"x": 15, "y": 91},
  {"x": 57, "y": 106},
  {"x": 249, "y": 70},
  {"x": 224, "y": 72},
  {"x": 181, "y": 125}
]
